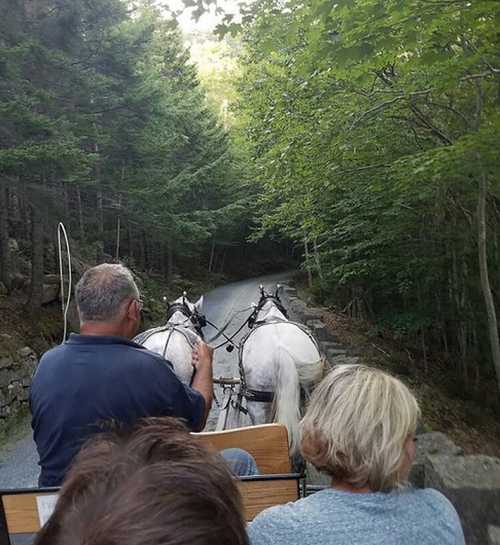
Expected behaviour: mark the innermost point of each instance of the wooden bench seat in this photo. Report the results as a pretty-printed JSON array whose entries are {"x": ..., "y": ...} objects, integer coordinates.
[
  {"x": 23, "y": 512},
  {"x": 267, "y": 443},
  {"x": 262, "y": 491}
]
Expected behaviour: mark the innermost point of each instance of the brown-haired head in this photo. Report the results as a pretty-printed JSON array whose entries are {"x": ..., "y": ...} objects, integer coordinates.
[{"x": 155, "y": 485}]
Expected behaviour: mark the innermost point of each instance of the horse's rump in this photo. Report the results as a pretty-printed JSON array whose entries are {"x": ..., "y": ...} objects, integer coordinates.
[
  {"x": 266, "y": 341},
  {"x": 280, "y": 357}
]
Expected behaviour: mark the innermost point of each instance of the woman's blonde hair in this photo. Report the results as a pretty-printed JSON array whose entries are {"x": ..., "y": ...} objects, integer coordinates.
[{"x": 356, "y": 425}]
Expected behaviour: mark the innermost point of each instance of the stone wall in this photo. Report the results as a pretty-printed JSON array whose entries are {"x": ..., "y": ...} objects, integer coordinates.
[
  {"x": 471, "y": 483},
  {"x": 16, "y": 369},
  {"x": 335, "y": 352}
]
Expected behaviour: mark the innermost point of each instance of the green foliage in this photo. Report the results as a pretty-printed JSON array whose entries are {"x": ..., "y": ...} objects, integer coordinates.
[
  {"x": 99, "y": 100},
  {"x": 370, "y": 123}
]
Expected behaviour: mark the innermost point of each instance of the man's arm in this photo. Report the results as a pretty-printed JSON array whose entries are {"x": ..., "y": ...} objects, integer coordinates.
[{"x": 203, "y": 378}]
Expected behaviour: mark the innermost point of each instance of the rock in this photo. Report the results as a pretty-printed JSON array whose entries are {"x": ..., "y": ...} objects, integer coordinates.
[
  {"x": 6, "y": 377},
  {"x": 5, "y": 362},
  {"x": 26, "y": 352},
  {"x": 315, "y": 477},
  {"x": 327, "y": 345},
  {"x": 472, "y": 484},
  {"x": 19, "y": 282},
  {"x": 344, "y": 360},
  {"x": 288, "y": 291},
  {"x": 13, "y": 245},
  {"x": 50, "y": 293},
  {"x": 297, "y": 308},
  {"x": 318, "y": 329},
  {"x": 23, "y": 393},
  {"x": 493, "y": 535},
  {"x": 16, "y": 389},
  {"x": 52, "y": 279},
  {"x": 434, "y": 443},
  {"x": 332, "y": 352}
]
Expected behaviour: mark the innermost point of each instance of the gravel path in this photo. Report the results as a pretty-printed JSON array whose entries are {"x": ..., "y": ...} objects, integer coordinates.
[{"x": 18, "y": 458}]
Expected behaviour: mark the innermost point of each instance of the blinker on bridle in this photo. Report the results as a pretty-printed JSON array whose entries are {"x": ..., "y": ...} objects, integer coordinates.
[
  {"x": 264, "y": 297},
  {"x": 197, "y": 319}
]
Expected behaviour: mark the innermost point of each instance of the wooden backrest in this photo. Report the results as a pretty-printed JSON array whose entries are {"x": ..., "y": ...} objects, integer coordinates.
[
  {"x": 267, "y": 443},
  {"x": 24, "y": 512},
  {"x": 262, "y": 491}
]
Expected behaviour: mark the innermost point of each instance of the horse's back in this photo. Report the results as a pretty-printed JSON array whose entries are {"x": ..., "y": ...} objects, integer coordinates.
[
  {"x": 174, "y": 347},
  {"x": 270, "y": 338}
]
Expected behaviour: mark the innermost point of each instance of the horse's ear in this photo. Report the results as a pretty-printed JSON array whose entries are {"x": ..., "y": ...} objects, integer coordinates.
[{"x": 199, "y": 304}]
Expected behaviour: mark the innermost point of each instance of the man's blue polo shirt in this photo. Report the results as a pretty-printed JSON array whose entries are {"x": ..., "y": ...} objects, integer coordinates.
[{"x": 90, "y": 380}]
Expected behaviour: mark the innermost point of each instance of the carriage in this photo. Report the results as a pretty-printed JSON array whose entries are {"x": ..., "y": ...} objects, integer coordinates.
[{"x": 278, "y": 362}]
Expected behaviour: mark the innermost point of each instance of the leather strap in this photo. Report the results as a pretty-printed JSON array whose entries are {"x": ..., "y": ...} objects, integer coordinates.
[{"x": 259, "y": 396}]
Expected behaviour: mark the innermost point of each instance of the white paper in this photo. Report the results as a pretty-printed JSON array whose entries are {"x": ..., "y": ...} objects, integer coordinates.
[{"x": 45, "y": 505}]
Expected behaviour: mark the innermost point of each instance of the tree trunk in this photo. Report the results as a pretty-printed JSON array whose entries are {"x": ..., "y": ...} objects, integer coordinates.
[
  {"x": 141, "y": 253},
  {"x": 317, "y": 260},
  {"x": 100, "y": 227},
  {"x": 147, "y": 261},
  {"x": 212, "y": 254},
  {"x": 118, "y": 230},
  {"x": 81, "y": 224},
  {"x": 4, "y": 238},
  {"x": 170, "y": 259},
  {"x": 130, "y": 242},
  {"x": 25, "y": 213},
  {"x": 309, "y": 273},
  {"x": 118, "y": 220},
  {"x": 65, "y": 198},
  {"x": 223, "y": 261},
  {"x": 485, "y": 281},
  {"x": 37, "y": 251}
]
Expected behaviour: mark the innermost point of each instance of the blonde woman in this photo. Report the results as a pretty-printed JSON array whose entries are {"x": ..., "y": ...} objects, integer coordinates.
[{"x": 360, "y": 429}]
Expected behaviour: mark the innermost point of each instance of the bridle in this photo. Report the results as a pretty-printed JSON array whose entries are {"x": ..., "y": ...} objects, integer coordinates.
[
  {"x": 265, "y": 298},
  {"x": 197, "y": 320}
]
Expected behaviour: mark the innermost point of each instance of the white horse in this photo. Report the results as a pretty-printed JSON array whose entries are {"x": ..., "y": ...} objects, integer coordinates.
[
  {"x": 278, "y": 357},
  {"x": 176, "y": 339}
]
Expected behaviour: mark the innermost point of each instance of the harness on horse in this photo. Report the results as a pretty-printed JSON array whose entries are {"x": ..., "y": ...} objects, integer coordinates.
[
  {"x": 198, "y": 320},
  {"x": 261, "y": 396},
  {"x": 194, "y": 317}
]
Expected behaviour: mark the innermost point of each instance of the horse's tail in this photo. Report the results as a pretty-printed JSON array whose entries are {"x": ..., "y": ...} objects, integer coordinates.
[
  {"x": 291, "y": 376},
  {"x": 287, "y": 397}
]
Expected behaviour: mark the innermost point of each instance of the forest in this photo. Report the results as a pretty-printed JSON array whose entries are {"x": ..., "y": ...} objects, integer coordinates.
[
  {"x": 105, "y": 127},
  {"x": 374, "y": 128},
  {"x": 360, "y": 135}
]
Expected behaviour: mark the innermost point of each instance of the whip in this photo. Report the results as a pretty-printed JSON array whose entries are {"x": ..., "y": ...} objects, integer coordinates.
[{"x": 64, "y": 305}]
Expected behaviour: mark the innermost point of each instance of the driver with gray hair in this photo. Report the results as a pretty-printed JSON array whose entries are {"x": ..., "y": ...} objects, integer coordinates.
[
  {"x": 102, "y": 290},
  {"x": 100, "y": 377}
]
